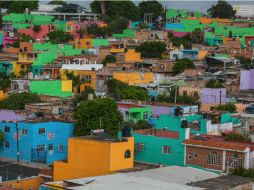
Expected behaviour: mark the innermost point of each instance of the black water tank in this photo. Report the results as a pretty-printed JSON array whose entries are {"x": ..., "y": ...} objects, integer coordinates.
[
  {"x": 206, "y": 116},
  {"x": 126, "y": 131},
  {"x": 184, "y": 124},
  {"x": 178, "y": 111}
]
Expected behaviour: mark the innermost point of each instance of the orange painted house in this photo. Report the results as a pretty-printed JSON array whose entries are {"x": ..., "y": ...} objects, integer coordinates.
[
  {"x": 88, "y": 157},
  {"x": 133, "y": 78}
]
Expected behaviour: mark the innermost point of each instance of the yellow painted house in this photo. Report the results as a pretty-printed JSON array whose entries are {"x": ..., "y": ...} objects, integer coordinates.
[
  {"x": 88, "y": 157},
  {"x": 133, "y": 78},
  {"x": 133, "y": 56},
  {"x": 83, "y": 43},
  {"x": 88, "y": 75}
]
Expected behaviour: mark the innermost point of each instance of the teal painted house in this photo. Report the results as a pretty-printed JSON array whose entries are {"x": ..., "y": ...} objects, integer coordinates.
[
  {"x": 6, "y": 67},
  {"x": 163, "y": 144}
]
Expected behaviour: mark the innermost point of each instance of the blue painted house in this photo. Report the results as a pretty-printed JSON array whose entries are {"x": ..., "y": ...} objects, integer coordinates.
[
  {"x": 43, "y": 142},
  {"x": 163, "y": 144},
  {"x": 190, "y": 53}
]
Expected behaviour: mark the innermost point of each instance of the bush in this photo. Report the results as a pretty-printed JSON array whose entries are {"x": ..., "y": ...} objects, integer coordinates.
[
  {"x": 17, "y": 101},
  {"x": 212, "y": 83},
  {"x": 237, "y": 137},
  {"x": 243, "y": 172},
  {"x": 230, "y": 107},
  {"x": 181, "y": 65},
  {"x": 152, "y": 49}
]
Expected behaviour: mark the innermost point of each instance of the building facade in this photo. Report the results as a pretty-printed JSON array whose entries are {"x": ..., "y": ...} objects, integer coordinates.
[{"x": 43, "y": 142}]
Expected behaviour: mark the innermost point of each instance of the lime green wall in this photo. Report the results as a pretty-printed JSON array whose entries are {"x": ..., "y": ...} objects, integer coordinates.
[{"x": 48, "y": 87}]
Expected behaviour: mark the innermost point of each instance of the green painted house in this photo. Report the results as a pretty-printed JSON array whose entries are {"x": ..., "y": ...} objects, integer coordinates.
[
  {"x": 134, "y": 112},
  {"x": 163, "y": 144},
  {"x": 58, "y": 88}
]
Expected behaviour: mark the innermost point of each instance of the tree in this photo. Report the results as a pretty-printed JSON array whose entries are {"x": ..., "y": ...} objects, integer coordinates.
[
  {"x": 76, "y": 81},
  {"x": 109, "y": 59},
  {"x": 197, "y": 36},
  {"x": 5, "y": 81},
  {"x": 178, "y": 41},
  {"x": 58, "y": 37},
  {"x": 221, "y": 10},
  {"x": 212, "y": 83},
  {"x": 97, "y": 114},
  {"x": 230, "y": 107},
  {"x": 115, "y": 9},
  {"x": 243, "y": 172},
  {"x": 1, "y": 136},
  {"x": 20, "y": 6},
  {"x": 83, "y": 96},
  {"x": 17, "y": 101},
  {"x": 117, "y": 25},
  {"x": 153, "y": 49},
  {"x": 245, "y": 62},
  {"x": 121, "y": 90},
  {"x": 153, "y": 7},
  {"x": 141, "y": 124},
  {"x": 230, "y": 34},
  {"x": 237, "y": 137},
  {"x": 36, "y": 28},
  {"x": 182, "y": 64},
  {"x": 57, "y": 2}
]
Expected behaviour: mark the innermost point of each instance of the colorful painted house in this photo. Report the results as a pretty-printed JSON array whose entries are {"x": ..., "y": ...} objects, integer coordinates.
[
  {"x": 190, "y": 53},
  {"x": 246, "y": 79},
  {"x": 134, "y": 112},
  {"x": 6, "y": 67},
  {"x": 87, "y": 73},
  {"x": 133, "y": 78},
  {"x": 127, "y": 33},
  {"x": 90, "y": 156},
  {"x": 43, "y": 142},
  {"x": 213, "y": 95},
  {"x": 40, "y": 35},
  {"x": 61, "y": 88},
  {"x": 163, "y": 144}
]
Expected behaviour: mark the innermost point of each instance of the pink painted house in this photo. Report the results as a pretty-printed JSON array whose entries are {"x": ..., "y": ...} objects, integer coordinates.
[{"x": 44, "y": 30}]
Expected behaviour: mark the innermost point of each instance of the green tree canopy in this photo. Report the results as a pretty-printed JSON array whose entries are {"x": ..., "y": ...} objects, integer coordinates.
[
  {"x": 153, "y": 49},
  {"x": 212, "y": 83},
  {"x": 115, "y": 9},
  {"x": 59, "y": 37},
  {"x": 230, "y": 107},
  {"x": 83, "y": 96},
  {"x": 153, "y": 7},
  {"x": 20, "y": 6},
  {"x": 182, "y": 64},
  {"x": 57, "y": 2},
  {"x": 178, "y": 41},
  {"x": 197, "y": 36},
  {"x": 1, "y": 136},
  {"x": 245, "y": 62},
  {"x": 109, "y": 59},
  {"x": 99, "y": 113},
  {"x": 221, "y": 10},
  {"x": 17, "y": 101},
  {"x": 121, "y": 90}
]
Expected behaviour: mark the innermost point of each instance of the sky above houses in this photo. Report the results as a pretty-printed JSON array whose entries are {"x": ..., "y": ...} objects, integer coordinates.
[{"x": 183, "y": 4}]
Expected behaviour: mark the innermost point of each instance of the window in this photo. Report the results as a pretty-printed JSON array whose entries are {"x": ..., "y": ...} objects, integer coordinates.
[
  {"x": 60, "y": 111},
  {"x": 60, "y": 147},
  {"x": 42, "y": 131},
  {"x": 161, "y": 66},
  {"x": 185, "y": 92},
  {"x": 140, "y": 146},
  {"x": 41, "y": 148},
  {"x": 127, "y": 154},
  {"x": 195, "y": 155},
  {"x": 24, "y": 132},
  {"x": 145, "y": 115},
  {"x": 6, "y": 144},
  {"x": 213, "y": 159},
  {"x": 189, "y": 156},
  {"x": 51, "y": 147},
  {"x": 6, "y": 129},
  {"x": 165, "y": 149}
]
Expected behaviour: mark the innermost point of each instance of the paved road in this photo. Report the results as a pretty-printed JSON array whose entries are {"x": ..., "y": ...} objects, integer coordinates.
[{"x": 11, "y": 171}]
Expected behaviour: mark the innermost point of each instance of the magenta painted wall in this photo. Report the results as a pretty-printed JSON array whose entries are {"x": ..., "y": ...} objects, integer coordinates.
[
  {"x": 9, "y": 40},
  {"x": 45, "y": 29},
  {"x": 178, "y": 34}
]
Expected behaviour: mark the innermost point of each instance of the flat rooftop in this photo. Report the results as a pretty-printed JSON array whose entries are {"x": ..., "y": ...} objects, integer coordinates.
[{"x": 165, "y": 178}]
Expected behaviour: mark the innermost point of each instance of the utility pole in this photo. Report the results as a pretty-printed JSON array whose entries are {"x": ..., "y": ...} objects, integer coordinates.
[
  {"x": 17, "y": 134},
  {"x": 175, "y": 94},
  {"x": 220, "y": 97}
]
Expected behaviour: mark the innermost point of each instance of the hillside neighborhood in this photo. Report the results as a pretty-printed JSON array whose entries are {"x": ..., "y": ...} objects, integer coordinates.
[{"x": 126, "y": 95}]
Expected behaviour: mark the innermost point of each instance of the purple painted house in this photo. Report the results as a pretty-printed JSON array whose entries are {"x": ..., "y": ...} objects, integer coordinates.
[
  {"x": 246, "y": 79},
  {"x": 8, "y": 115},
  {"x": 213, "y": 95}
]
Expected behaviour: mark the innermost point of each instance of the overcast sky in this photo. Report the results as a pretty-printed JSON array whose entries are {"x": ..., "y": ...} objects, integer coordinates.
[{"x": 183, "y": 4}]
